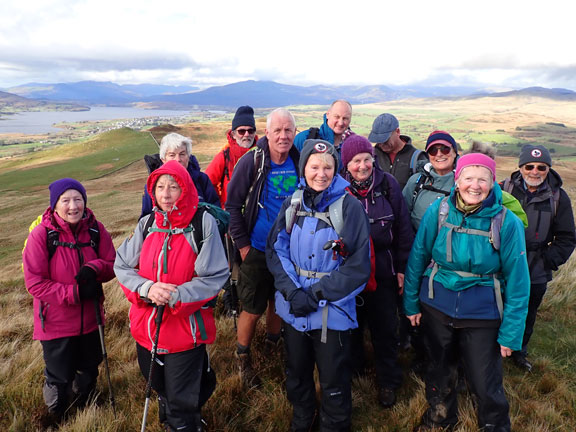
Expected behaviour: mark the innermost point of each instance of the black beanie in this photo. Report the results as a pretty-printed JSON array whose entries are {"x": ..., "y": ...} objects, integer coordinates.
[
  {"x": 244, "y": 117},
  {"x": 534, "y": 153}
]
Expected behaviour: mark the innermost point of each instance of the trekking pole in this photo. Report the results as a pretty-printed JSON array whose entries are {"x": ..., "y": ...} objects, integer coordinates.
[
  {"x": 158, "y": 320},
  {"x": 104, "y": 354}
]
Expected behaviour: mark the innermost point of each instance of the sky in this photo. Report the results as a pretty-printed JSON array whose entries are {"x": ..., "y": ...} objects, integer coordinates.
[{"x": 504, "y": 44}]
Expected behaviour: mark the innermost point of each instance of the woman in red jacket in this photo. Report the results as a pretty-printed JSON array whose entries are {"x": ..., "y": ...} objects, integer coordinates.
[
  {"x": 66, "y": 259},
  {"x": 164, "y": 267}
]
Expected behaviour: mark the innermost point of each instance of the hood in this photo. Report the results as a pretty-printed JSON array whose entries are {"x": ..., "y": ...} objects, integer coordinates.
[
  {"x": 186, "y": 205},
  {"x": 325, "y": 131}
]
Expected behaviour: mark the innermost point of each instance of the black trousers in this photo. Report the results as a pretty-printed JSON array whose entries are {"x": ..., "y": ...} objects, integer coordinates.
[
  {"x": 71, "y": 368},
  {"x": 178, "y": 382},
  {"x": 303, "y": 352},
  {"x": 378, "y": 311},
  {"x": 537, "y": 292},
  {"x": 479, "y": 352}
]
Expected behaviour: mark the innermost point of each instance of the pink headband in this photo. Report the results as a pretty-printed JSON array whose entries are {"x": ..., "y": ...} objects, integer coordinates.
[{"x": 479, "y": 159}]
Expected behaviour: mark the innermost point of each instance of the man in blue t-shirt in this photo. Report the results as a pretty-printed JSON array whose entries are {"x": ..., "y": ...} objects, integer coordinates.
[{"x": 262, "y": 180}]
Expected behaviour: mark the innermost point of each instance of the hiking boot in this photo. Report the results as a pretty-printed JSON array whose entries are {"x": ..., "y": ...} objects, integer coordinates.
[
  {"x": 522, "y": 363},
  {"x": 427, "y": 428},
  {"x": 387, "y": 397},
  {"x": 247, "y": 374}
]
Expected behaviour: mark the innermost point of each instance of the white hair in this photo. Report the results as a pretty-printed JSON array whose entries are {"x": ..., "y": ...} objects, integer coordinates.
[
  {"x": 281, "y": 112},
  {"x": 174, "y": 141}
]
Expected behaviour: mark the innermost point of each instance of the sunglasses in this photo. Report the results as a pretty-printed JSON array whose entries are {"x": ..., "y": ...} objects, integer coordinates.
[
  {"x": 433, "y": 151},
  {"x": 540, "y": 168},
  {"x": 243, "y": 132}
]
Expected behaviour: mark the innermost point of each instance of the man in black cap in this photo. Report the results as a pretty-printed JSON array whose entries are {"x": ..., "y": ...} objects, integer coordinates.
[
  {"x": 241, "y": 138},
  {"x": 550, "y": 236},
  {"x": 394, "y": 153}
]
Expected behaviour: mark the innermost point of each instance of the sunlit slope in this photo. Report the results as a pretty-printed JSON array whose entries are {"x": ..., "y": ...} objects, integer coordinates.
[{"x": 85, "y": 160}]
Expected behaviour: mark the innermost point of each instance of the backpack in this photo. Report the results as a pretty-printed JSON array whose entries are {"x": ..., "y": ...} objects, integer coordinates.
[
  {"x": 52, "y": 239},
  {"x": 493, "y": 235},
  {"x": 414, "y": 161},
  {"x": 425, "y": 182},
  {"x": 221, "y": 216},
  {"x": 313, "y": 133}
]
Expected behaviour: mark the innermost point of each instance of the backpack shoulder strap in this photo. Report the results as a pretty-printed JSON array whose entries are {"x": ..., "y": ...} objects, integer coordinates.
[
  {"x": 148, "y": 225},
  {"x": 94, "y": 232},
  {"x": 291, "y": 213},
  {"x": 414, "y": 160},
  {"x": 225, "y": 171},
  {"x": 336, "y": 214},
  {"x": 495, "y": 227},
  {"x": 442, "y": 212},
  {"x": 555, "y": 199},
  {"x": 507, "y": 185},
  {"x": 52, "y": 241}
]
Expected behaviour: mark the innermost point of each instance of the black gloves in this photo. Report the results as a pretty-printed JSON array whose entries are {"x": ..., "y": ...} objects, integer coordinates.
[
  {"x": 88, "y": 286},
  {"x": 302, "y": 303}
]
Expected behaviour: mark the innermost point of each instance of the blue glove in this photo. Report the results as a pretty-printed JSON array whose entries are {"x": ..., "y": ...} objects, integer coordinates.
[{"x": 302, "y": 303}]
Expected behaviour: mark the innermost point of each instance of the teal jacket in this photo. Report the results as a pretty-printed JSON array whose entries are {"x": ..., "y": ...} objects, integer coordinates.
[{"x": 472, "y": 254}]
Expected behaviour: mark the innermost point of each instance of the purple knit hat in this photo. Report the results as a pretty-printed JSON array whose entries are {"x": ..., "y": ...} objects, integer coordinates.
[
  {"x": 58, "y": 187},
  {"x": 353, "y": 145},
  {"x": 479, "y": 159}
]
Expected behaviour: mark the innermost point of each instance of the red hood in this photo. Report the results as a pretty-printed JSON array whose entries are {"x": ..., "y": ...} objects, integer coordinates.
[{"x": 186, "y": 205}]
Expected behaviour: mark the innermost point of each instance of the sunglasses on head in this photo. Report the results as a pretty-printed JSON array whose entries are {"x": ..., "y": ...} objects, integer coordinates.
[
  {"x": 245, "y": 131},
  {"x": 541, "y": 168},
  {"x": 433, "y": 151}
]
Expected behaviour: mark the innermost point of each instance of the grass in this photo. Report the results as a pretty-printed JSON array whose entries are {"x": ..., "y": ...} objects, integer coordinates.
[{"x": 542, "y": 401}]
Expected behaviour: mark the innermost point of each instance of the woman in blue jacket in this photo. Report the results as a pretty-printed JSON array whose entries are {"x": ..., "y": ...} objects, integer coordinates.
[
  {"x": 472, "y": 302},
  {"x": 318, "y": 251}
]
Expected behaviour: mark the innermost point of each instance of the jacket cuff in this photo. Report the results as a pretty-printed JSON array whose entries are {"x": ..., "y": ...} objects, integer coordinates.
[
  {"x": 174, "y": 298},
  {"x": 144, "y": 289}
]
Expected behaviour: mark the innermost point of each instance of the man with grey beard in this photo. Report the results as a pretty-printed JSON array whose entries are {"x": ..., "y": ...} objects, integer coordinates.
[
  {"x": 550, "y": 236},
  {"x": 240, "y": 138}
]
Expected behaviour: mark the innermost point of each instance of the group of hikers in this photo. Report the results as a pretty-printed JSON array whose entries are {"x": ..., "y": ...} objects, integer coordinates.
[{"x": 330, "y": 234}]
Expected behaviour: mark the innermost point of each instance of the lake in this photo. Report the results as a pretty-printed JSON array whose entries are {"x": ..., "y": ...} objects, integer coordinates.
[{"x": 42, "y": 122}]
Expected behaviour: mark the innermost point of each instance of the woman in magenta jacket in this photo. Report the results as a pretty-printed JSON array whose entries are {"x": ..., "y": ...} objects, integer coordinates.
[{"x": 65, "y": 278}]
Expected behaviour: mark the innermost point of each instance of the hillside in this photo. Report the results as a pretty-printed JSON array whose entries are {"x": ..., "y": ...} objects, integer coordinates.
[
  {"x": 110, "y": 166},
  {"x": 11, "y": 103}
]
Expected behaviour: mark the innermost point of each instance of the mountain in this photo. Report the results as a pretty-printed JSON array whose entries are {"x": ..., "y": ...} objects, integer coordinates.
[
  {"x": 10, "y": 103},
  {"x": 96, "y": 92},
  {"x": 559, "y": 94},
  {"x": 259, "y": 94}
]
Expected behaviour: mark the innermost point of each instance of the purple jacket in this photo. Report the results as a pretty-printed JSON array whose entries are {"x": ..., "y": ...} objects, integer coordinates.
[
  {"x": 58, "y": 310},
  {"x": 390, "y": 226}
]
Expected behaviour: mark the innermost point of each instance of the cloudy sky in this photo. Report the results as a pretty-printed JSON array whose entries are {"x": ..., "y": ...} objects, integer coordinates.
[{"x": 496, "y": 44}]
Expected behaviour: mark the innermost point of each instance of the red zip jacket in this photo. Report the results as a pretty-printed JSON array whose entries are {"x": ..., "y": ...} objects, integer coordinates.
[
  {"x": 58, "y": 310},
  {"x": 171, "y": 257}
]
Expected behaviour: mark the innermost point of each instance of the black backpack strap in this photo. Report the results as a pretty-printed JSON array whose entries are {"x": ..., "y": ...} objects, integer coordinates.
[
  {"x": 198, "y": 228},
  {"x": 225, "y": 171},
  {"x": 53, "y": 240},
  {"x": 147, "y": 226}
]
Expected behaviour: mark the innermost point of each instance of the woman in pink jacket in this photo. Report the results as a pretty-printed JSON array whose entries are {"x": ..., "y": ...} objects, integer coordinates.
[
  {"x": 168, "y": 265},
  {"x": 66, "y": 259}
]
